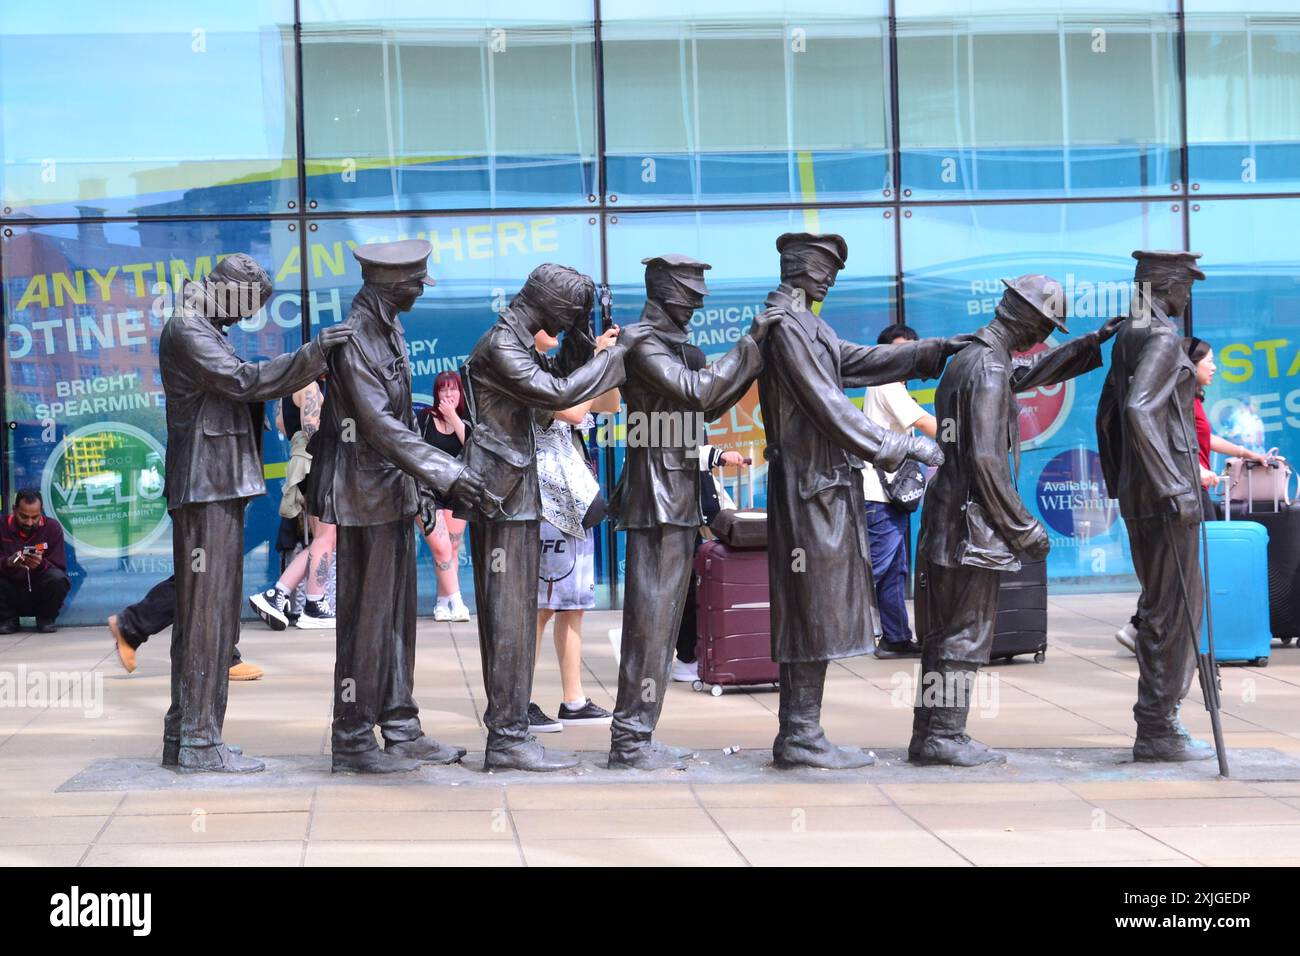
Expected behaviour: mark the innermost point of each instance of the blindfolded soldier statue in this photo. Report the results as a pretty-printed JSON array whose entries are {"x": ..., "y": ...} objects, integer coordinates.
[
  {"x": 819, "y": 565},
  {"x": 657, "y": 500},
  {"x": 973, "y": 524},
  {"x": 214, "y": 466},
  {"x": 507, "y": 378},
  {"x": 1146, "y": 436},
  {"x": 367, "y": 459}
]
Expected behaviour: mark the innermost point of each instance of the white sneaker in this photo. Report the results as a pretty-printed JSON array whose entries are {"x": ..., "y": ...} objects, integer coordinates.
[
  {"x": 442, "y": 613},
  {"x": 683, "y": 671},
  {"x": 1126, "y": 636},
  {"x": 459, "y": 612}
]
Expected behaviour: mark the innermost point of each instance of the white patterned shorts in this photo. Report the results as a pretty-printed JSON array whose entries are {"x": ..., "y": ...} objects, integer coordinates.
[{"x": 566, "y": 578}]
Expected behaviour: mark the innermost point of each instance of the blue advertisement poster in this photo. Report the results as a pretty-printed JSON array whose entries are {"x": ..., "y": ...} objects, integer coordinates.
[
  {"x": 84, "y": 304},
  {"x": 1248, "y": 310}
]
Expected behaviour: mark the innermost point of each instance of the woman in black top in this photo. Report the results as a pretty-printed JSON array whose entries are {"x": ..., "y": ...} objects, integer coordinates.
[{"x": 445, "y": 428}]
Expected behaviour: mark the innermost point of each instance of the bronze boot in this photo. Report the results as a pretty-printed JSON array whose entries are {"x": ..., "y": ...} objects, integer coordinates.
[
  {"x": 946, "y": 742},
  {"x": 801, "y": 742}
]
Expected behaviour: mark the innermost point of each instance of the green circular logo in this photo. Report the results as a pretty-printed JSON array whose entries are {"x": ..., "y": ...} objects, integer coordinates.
[{"x": 104, "y": 483}]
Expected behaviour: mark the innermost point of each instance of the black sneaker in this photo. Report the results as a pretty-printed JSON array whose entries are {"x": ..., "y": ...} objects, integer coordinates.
[
  {"x": 270, "y": 606},
  {"x": 887, "y": 650},
  {"x": 588, "y": 713},
  {"x": 315, "y": 614},
  {"x": 539, "y": 723}
]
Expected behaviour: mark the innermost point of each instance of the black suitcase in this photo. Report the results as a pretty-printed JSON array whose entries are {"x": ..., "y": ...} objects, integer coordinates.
[
  {"x": 1021, "y": 625},
  {"x": 1283, "y": 527}
]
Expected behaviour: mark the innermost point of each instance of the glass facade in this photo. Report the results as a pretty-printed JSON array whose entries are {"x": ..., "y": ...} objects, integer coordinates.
[
  {"x": 1013, "y": 99},
  {"x": 147, "y": 110},
  {"x": 418, "y": 105},
  {"x": 1243, "y": 128},
  {"x": 723, "y": 102},
  {"x": 952, "y": 142}
]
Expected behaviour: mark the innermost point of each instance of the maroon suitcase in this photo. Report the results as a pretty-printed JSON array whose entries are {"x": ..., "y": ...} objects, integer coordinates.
[{"x": 731, "y": 618}]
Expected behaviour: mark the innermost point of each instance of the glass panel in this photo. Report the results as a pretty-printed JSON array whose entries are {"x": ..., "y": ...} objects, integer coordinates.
[
  {"x": 84, "y": 306},
  {"x": 1248, "y": 309},
  {"x": 1243, "y": 84},
  {"x": 954, "y": 259},
  {"x": 479, "y": 263},
  {"x": 147, "y": 108},
  {"x": 1015, "y": 98},
  {"x": 731, "y": 102},
  {"x": 456, "y": 105}
]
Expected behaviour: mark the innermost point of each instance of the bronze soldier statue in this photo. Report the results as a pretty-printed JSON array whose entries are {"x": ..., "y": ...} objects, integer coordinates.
[
  {"x": 819, "y": 567},
  {"x": 214, "y": 466},
  {"x": 506, "y": 378},
  {"x": 974, "y": 524},
  {"x": 657, "y": 500},
  {"x": 1146, "y": 436},
  {"x": 367, "y": 459}
]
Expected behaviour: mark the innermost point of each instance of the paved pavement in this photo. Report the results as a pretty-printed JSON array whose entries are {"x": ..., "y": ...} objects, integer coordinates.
[{"x": 79, "y": 782}]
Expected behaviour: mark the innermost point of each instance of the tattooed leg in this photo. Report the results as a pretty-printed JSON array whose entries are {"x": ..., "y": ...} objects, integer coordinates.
[
  {"x": 319, "y": 577},
  {"x": 444, "y": 557}
]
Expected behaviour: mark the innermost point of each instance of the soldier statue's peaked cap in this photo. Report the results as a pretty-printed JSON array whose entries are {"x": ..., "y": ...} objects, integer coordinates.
[
  {"x": 1040, "y": 293},
  {"x": 684, "y": 270},
  {"x": 1152, "y": 262},
  {"x": 831, "y": 245},
  {"x": 394, "y": 262}
]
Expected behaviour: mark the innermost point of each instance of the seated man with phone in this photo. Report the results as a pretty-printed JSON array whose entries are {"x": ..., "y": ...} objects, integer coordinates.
[{"x": 33, "y": 565}]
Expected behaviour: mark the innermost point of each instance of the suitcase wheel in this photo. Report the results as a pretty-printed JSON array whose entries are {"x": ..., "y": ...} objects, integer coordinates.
[
  {"x": 1286, "y": 641},
  {"x": 1260, "y": 662},
  {"x": 716, "y": 689},
  {"x": 1040, "y": 656},
  {"x": 697, "y": 685}
]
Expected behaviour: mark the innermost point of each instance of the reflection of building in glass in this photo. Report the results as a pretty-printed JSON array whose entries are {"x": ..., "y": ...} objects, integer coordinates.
[{"x": 84, "y": 456}]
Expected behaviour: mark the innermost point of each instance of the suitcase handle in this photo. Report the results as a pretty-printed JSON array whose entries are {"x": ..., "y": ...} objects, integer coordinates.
[
  {"x": 742, "y": 483},
  {"x": 1275, "y": 461}
]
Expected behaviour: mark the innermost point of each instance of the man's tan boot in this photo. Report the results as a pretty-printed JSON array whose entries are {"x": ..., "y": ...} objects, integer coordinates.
[
  {"x": 245, "y": 671},
  {"x": 125, "y": 652}
]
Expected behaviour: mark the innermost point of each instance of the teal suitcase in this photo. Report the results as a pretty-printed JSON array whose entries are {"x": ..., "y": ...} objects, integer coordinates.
[{"x": 1238, "y": 589}]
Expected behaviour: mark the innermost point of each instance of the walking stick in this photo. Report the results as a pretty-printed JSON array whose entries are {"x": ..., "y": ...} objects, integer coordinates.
[{"x": 1207, "y": 668}]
